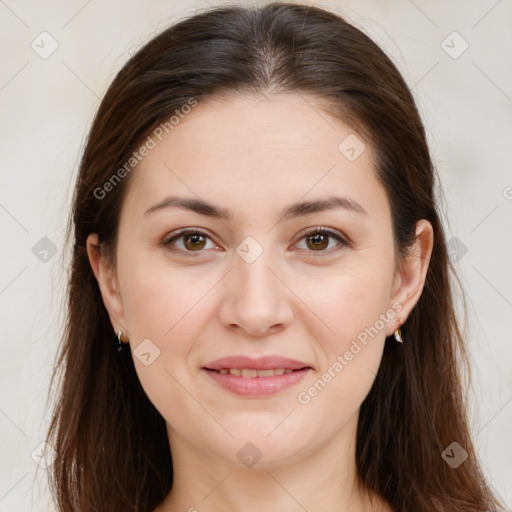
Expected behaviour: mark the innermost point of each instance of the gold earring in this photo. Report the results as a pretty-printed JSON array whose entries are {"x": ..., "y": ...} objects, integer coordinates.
[
  {"x": 398, "y": 333},
  {"x": 120, "y": 346}
]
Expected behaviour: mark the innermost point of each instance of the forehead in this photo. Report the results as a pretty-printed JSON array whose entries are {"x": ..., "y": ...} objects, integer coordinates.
[{"x": 249, "y": 151}]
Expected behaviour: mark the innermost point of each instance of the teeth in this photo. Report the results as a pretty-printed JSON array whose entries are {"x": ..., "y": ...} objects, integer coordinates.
[
  {"x": 250, "y": 372},
  {"x": 265, "y": 373}
]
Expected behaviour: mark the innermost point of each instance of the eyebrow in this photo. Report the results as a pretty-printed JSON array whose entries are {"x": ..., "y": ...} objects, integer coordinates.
[{"x": 298, "y": 209}]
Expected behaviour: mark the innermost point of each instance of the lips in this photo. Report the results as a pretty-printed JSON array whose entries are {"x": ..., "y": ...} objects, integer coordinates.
[
  {"x": 251, "y": 373},
  {"x": 245, "y": 366},
  {"x": 259, "y": 377}
]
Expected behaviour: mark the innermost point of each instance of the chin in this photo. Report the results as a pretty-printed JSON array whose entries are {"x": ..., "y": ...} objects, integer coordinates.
[{"x": 260, "y": 452}]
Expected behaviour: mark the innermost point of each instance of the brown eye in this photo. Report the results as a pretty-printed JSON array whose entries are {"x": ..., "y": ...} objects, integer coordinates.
[
  {"x": 320, "y": 238},
  {"x": 318, "y": 241},
  {"x": 189, "y": 241},
  {"x": 194, "y": 242}
]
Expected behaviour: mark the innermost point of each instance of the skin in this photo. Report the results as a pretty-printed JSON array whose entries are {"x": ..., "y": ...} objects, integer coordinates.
[{"x": 255, "y": 156}]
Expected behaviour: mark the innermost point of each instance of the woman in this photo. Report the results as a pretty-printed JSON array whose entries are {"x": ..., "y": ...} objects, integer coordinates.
[{"x": 260, "y": 314}]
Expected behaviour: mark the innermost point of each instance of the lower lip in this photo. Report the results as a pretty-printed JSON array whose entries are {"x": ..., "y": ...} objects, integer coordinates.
[{"x": 257, "y": 386}]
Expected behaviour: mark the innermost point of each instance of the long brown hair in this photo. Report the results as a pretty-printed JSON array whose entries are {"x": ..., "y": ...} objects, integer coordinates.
[{"x": 112, "y": 445}]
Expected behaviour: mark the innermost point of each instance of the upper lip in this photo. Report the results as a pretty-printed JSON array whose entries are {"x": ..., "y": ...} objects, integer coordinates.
[{"x": 260, "y": 363}]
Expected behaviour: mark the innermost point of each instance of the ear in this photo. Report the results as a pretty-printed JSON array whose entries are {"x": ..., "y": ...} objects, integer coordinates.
[
  {"x": 107, "y": 282},
  {"x": 410, "y": 277}
]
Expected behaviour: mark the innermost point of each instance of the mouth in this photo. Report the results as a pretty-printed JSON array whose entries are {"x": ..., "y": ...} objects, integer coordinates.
[
  {"x": 252, "y": 373},
  {"x": 265, "y": 363},
  {"x": 260, "y": 377}
]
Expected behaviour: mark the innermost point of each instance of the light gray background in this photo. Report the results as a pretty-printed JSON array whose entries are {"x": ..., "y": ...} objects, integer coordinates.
[{"x": 47, "y": 106}]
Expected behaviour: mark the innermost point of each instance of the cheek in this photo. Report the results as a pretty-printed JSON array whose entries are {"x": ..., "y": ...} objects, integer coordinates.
[
  {"x": 167, "y": 307},
  {"x": 348, "y": 303},
  {"x": 158, "y": 301},
  {"x": 164, "y": 307},
  {"x": 354, "y": 309}
]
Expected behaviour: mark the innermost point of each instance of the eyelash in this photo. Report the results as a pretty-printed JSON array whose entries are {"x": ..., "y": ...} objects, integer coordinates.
[{"x": 317, "y": 230}]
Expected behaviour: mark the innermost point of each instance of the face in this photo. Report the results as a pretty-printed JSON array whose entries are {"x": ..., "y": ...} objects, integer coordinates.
[{"x": 311, "y": 290}]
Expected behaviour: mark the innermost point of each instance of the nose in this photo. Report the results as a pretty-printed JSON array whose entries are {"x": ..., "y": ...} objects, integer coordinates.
[{"x": 257, "y": 300}]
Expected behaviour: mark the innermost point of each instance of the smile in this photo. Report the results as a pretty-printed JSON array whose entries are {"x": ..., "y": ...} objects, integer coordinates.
[
  {"x": 251, "y": 383},
  {"x": 251, "y": 373}
]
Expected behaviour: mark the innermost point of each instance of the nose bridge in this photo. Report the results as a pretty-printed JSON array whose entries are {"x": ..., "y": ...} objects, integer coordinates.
[
  {"x": 256, "y": 283},
  {"x": 257, "y": 298},
  {"x": 256, "y": 279}
]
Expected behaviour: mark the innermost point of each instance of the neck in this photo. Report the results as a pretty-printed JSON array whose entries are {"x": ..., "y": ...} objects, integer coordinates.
[{"x": 322, "y": 480}]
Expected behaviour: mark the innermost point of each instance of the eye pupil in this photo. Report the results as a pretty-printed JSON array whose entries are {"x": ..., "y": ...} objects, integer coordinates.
[
  {"x": 320, "y": 241},
  {"x": 195, "y": 238}
]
